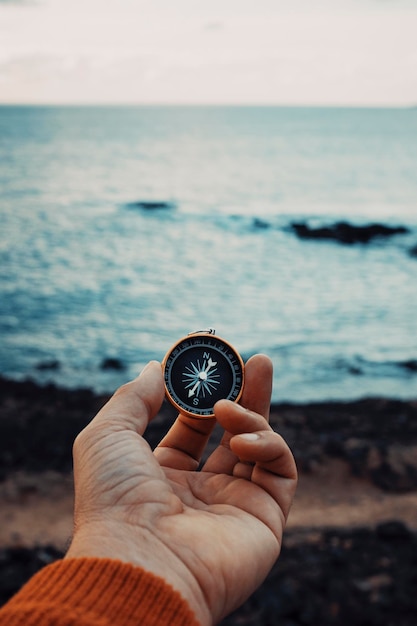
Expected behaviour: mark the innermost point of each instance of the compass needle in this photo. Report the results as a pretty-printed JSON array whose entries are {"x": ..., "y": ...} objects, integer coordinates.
[{"x": 192, "y": 391}]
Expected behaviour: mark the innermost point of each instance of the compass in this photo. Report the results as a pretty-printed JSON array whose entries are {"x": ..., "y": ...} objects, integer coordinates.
[{"x": 199, "y": 370}]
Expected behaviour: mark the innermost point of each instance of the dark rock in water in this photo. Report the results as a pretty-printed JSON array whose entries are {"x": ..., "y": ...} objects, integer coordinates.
[
  {"x": 413, "y": 252},
  {"x": 150, "y": 205},
  {"x": 346, "y": 233},
  {"x": 259, "y": 224},
  {"x": 112, "y": 363},
  {"x": 410, "y": 365},
  {"x": 52, "y": 365}
]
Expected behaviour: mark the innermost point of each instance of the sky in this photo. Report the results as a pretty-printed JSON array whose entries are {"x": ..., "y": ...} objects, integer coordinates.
[{"x": 285, "y": 52}]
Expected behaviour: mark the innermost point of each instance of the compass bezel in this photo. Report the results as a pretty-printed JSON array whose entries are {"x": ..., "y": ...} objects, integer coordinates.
[{"x": 227, "y": 355}]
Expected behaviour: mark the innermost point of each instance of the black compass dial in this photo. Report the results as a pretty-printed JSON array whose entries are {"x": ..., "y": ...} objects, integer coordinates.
[{"x": 199, "y": 370}]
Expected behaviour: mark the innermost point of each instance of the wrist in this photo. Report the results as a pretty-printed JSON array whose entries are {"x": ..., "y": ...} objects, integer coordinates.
[{"x": 145, "y": 551}]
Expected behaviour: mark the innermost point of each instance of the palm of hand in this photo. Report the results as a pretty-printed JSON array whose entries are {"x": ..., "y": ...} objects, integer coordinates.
[{"x": 219, "y": 528}]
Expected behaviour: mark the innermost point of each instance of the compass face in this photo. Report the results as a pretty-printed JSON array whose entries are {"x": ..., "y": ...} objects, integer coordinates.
[{"x": 199, "y": 370}]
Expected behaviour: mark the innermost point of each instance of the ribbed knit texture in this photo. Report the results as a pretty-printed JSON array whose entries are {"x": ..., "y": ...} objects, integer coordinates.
[{"x": 96, "y": 592}]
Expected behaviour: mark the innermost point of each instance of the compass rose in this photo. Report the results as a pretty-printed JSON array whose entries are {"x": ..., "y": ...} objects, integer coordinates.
[
  {"x": 199, "y": 370},
  {"x": 201, "y": 379}
]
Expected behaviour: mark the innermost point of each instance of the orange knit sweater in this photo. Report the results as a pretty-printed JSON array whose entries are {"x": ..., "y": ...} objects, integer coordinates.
[{"x": 96, "y": 592}]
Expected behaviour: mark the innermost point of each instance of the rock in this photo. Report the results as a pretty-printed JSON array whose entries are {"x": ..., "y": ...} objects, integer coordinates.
[
  {"x": 150, "y": 205},
  {"x": 259, "y": 224},
  {"x": 360, "y": 576},
  {"x": 38, "y": 425},
  {"x": 111, "y": 363},
  {"x": 18, "y": 564},
  {"x": 397, "y": 471},
  {"x": 410, "y": 365},
  {"x": 393, "y": 531},
  {"x": 346, "y": 233},
  {"x": 52, "y": 365},
  {"x": 413, "y": 252},
  {"x": 341, "y": 577},
  {"x": 356, "y": 452},
  {"x": 374, "y": 583}
]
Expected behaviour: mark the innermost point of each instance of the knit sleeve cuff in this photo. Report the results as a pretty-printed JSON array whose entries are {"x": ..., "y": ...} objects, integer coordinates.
[{"x": 96, "y": 592}]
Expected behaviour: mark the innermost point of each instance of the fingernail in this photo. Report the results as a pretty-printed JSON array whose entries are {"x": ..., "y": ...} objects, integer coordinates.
[
  {"x": 249, "y": 436},
  {"x": 147, "y": 366}
]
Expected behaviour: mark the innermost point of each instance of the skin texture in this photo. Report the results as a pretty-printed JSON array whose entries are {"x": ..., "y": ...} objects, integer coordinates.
[{"x": 212, "y": 533}]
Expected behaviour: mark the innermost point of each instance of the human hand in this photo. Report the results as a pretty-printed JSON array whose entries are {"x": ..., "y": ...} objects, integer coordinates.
[{"x": 212, "y": 534}]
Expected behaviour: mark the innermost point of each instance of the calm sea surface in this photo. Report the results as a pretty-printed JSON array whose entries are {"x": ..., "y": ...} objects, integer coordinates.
[{"x": 85, "y": 276}]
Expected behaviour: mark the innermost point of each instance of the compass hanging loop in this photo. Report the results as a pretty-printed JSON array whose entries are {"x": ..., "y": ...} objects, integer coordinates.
[{"x": 209, "y": 331}]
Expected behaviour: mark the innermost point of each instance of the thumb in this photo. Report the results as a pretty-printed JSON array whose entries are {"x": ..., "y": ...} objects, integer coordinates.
[{"x": 134, "y": 404}]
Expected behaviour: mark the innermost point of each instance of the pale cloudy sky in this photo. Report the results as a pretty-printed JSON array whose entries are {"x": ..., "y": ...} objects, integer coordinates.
[{"x": 215, "y": 51}]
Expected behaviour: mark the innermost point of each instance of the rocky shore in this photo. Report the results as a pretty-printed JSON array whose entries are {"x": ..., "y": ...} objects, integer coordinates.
[{"x": 349, "y": 554}]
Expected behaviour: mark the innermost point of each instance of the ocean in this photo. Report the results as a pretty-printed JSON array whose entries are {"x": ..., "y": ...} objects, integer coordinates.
[{"x": 125, "y": 228}]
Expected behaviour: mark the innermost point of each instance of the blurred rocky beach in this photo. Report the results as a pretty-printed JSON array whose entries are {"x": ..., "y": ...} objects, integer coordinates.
[{"x": 349, "y": 553}]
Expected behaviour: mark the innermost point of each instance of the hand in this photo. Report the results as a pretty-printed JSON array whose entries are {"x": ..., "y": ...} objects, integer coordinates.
[{"x": 212, "y": 534}]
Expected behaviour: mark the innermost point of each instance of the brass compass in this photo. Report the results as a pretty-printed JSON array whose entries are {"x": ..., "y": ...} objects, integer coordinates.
[{"x": 201, "y": 369}]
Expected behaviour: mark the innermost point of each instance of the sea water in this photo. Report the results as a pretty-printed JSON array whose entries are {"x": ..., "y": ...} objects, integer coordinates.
[{"x": 89, "y": 271}]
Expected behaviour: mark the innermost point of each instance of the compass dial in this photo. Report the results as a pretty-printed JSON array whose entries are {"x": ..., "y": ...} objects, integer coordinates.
[{"x": 199, "y": 370}]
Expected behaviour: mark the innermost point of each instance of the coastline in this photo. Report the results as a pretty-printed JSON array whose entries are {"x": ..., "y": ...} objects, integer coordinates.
[
  {"x": 357, "y": 496},
  {"x": 39, "y": 423}
]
